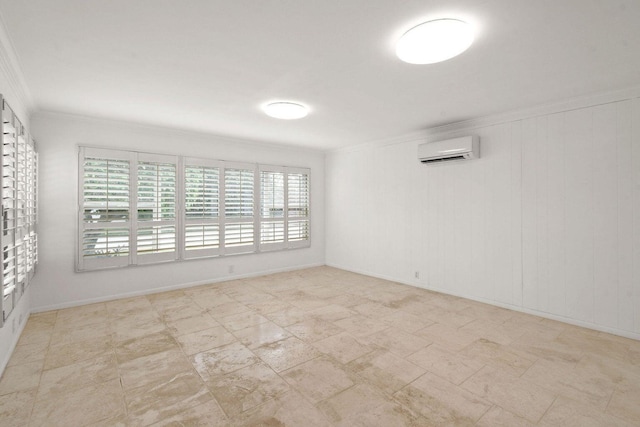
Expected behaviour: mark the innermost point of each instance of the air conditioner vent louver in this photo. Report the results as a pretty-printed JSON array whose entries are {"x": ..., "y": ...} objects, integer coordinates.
[
  {"x": 463, "y": 148},
  {"x": 444, "y": 159}
]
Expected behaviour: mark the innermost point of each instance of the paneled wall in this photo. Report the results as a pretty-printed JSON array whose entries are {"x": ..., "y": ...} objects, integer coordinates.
[{"x": 547, "y": 221}]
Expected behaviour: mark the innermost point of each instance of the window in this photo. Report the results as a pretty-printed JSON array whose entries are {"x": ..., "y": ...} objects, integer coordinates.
[
  {"x": 142, "y": 208},
  {"x": 284, "y": 207},
  {"x": 202, "y": 208},
  {"x": 239, "y": 192},
  {"x": 105, "y": 201},
  {"x": 156, "y": 208},
  {"x": 298, "y": 207},
  {"x": 18, "y": 238}
]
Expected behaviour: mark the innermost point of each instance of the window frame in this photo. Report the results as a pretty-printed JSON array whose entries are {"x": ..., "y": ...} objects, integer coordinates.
[{"x": 181, "y": 221}]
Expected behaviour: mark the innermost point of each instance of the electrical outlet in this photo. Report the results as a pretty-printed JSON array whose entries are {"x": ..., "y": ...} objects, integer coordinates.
[
  {"x": 417, "y": 275},
  {"x": 231, "y": 269}
]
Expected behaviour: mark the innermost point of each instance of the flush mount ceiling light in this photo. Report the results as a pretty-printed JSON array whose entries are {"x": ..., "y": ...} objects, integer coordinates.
[
  {"x": 286, "y": 110},
  {"x": 434, "y": 41}
]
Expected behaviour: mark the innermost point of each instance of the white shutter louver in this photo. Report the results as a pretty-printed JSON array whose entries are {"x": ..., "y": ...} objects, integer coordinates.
[
  {"x": 298, "y": 227},
  {"x": 272, "y": 208},
  {"x": 138, "y": 208},
  {"x": 18, "y": 238},
  {"x": 105, "y": 209},
  {"x": 156, "y": 207},
  {"x": 202, "y": 208},
  {"x": 239, "y": 188}
]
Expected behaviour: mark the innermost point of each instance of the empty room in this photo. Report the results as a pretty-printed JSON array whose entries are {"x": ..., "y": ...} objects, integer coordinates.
[{"x": 320, "y": 213}]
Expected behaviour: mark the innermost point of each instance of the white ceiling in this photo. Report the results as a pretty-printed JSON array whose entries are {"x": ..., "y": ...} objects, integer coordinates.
[{"x": 208, "y": 65}]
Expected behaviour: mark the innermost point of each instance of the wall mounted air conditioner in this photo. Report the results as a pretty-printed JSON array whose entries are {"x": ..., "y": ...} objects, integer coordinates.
[{"x": 463, "y": 148}]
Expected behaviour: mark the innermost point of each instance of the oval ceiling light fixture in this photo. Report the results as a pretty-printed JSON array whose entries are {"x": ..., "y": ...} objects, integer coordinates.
[
  {"x": 285, "y": 110},
  {"x": 434, "y": 41}
]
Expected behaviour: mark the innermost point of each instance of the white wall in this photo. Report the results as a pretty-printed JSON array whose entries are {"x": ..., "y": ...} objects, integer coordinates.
[
  {"x": 547, "y": 221},
  {"x": 58, "y": 285}
]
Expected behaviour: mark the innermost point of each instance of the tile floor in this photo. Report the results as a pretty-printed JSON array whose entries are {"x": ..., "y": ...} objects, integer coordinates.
[{"x": 316, "y": 347}]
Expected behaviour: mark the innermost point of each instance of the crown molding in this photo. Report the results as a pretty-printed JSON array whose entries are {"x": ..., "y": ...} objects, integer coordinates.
[
  {"x": 10, "y": 67},
  {"x": 571, "y": 104}
]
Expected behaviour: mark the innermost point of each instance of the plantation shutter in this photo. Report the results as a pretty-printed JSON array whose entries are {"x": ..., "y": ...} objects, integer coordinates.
[
  {"x": 298, "y": 211},
  {"x": 105, "y": 217},
  {"x": 156, "y": 208},
  {"x": 272, "y": 208},
  {"x": 202, "y": 208},
  {"x": 239, "y": 204},
  {"x": 18, "y": 238},
  {"x": 10, "y": 127},
  {"x": 142, "y": 208}
]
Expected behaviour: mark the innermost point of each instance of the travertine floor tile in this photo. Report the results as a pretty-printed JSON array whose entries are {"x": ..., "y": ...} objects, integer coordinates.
[
  {"x": 222, "y": 360},
  {"x": 319, "y": 378},
  {"x": 271, "y": 306},
  {"x": 15, "y": 408},
  {"x": 514, "y": 394},
  {"x": 236, "y": 322},
  {"x": 155, "y": 368},
  {"x": 149, "y": 404},
  {"x": 27, "y": 353},
  {"x": 624, "y": 404},
  {"x": 363, "y": 405},
  {"x": 145, "y": 346},
  {"x": 81, "y": 333},
  {"x": 386, "y": 371},
  {"x": 288, "y": 316},
  {"x": 498, "y": 417},
  {"x": 313, "y": 329},
  {"x": 396, "y": 341},
  {"x": 80, "y": 407},
  {"x": 568, "y": 381},
  {"x": 290, "y": 409},
  {"x": 286, "y": 354},
  {"x": 332, "y": 312},
  {"x": 492, "y": 331},
  {"x": 569, "y": 413},
  {"x": 20, "y": 377},
  {"x": 451, "y": 366},
  {"x": 68, "y": 378},
  {"x": 406, "y": 321},
  {"x": 227, "y": 309},
  {"x": 499, "y": 356},
  {"x": 316, "y": 347},
  {"x": 343, "y": 347},
  {"x": 446, "y": 336},
  {"x": 128, "y": 306},
  {"x": 191, "y": 324},
  {"x": 68, "y": 354},
  {"x": 247, "y": 388},
  {"x": 207, "y": 414},
  {"x": 207, "y": 339},
  {"x": 441, "y": 402},
  {"x": 361, "y": 326},
  {"x": 263, "y": 333}
]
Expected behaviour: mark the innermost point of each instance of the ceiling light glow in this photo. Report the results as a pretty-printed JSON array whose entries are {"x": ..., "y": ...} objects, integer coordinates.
[
  {"x": 286, "y": 110},
  {"x": 434, "y": 41}
]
